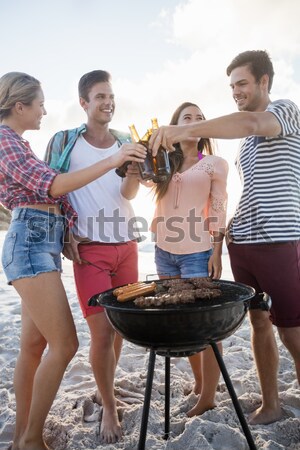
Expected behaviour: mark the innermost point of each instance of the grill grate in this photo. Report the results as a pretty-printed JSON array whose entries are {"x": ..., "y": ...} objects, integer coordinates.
[{"x": 231, "y": 292}]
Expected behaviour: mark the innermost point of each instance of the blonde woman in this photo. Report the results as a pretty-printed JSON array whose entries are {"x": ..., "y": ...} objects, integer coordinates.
[{"x": 31, "y": 252}]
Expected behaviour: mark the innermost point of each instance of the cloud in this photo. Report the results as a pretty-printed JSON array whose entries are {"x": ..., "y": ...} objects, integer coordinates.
[
  {"x": 233, "y": 24},
  {"x": 212, "y": 33}
]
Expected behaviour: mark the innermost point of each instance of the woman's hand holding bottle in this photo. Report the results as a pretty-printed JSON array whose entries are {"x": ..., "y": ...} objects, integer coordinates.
[{"x": 154, "y": 167}]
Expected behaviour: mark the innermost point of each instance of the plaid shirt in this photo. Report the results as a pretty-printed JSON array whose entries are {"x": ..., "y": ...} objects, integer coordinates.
[{"x": 25, "y": 179}]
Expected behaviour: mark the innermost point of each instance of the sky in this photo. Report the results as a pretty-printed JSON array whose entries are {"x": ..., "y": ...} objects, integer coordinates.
[{"x": 159, "y": 53}]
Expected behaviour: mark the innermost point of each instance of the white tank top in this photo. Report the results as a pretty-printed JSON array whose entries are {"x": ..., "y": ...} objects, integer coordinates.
[{"x": 104, "y": 215}]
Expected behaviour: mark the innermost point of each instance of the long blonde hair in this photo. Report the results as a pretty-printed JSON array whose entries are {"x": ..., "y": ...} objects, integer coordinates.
[{"x": 16, "y": 87}]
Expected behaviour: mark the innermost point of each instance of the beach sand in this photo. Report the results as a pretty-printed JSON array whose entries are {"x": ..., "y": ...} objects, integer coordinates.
[{"x": 73, "y": 422}]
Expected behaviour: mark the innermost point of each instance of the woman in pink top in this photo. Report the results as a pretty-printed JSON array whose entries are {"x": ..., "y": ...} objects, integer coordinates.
[{"x": 189, "y": 225}]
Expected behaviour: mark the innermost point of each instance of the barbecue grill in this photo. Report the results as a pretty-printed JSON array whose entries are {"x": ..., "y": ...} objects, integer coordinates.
[{"x": 180, "y": 330}]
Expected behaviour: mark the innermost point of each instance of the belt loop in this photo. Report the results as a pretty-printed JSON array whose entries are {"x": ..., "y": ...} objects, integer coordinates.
[{"x": 18, "y": 213}]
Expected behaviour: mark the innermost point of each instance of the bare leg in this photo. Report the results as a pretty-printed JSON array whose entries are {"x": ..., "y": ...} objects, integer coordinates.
[
  {"x": 266, "y": 358},
  {"x": 117, "y": 348},
  {"x": 210, "y": 379},
  {"x": 290, "y": 337},
  {"x": 32, "y": 347},
  {"x": 195, "y": 362},
  {"x": 48, "y": 318},
  {"x": 103, "y": 361}
]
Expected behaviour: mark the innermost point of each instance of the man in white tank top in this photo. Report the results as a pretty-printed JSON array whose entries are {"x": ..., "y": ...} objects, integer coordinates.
[{"x": 104, "y": 250}]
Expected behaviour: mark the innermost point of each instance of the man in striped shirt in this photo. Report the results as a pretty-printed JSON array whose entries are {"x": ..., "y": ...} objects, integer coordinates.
[{"x": 264, "y": 233}]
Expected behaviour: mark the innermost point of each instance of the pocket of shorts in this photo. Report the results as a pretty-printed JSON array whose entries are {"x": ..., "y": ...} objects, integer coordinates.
[
  {"x": 39, "y": 229},
  {"x": 8, "y": 249}
]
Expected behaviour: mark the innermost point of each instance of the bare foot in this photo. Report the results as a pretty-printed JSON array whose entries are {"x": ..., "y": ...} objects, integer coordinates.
[
  {"x": 200, "y": 408},
  {"x": 110, "y": 430},
  {"x": 30, "y": 447},
  {"x": 264, "y": 416},
  {"x": 34, "y": 446},
  {"x": 27, "y": 444}
]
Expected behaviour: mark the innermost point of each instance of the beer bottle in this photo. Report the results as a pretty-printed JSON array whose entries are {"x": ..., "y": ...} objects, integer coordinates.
[
  {"x": 154, "y": 124},
  {"x": 161, "y": 163},
  {"x": 146, "y": 167},
  {"x": 121, "y": 171},
  {"x": 152, "y": 168},
  {"x": 134, "y": 134}
]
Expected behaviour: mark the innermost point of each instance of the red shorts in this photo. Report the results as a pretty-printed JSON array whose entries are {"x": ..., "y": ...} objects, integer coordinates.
[
  {"x": 274, "y": 269},
  {"x": 116, "y": 265}
]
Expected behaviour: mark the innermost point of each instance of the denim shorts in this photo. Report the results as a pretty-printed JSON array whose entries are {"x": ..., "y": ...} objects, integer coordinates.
[
  {"x": 33, "y": 244},
  {"x": 185, "y": 266}
]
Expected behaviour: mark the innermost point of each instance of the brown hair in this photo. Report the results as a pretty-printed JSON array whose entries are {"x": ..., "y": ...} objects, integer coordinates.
[
  {"x": 16, "y": 87},
  {"x": 258, "y": 62},
  {"x": 88, "y": 80},
  {"x": 205, "y": 146}
]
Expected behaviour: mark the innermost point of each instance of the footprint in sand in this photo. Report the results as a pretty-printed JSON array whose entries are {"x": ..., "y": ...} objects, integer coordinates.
[{"x": 91, "y": 411}]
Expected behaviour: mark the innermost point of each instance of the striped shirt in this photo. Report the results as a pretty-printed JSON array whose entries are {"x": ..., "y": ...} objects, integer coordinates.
[{"x": 269, "y": 168}]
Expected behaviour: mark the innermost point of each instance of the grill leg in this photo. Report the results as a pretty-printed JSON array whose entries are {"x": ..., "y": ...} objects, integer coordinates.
[
  {"x": 233, "y": 396},
  {"x": 147, "y": 398},
  {"x": 167, "y": 397}
]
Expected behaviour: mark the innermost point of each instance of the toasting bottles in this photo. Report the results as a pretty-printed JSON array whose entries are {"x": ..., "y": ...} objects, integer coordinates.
[
  {"x": 155, "y": 168},
  {"x": 161, "y": 160},
  {"x": 146, "y": 167}
]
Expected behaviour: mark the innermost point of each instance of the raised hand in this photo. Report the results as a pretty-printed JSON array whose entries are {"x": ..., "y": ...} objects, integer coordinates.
[{"x": 166, "y": 137}]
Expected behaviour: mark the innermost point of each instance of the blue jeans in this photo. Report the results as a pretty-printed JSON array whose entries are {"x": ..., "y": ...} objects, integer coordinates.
[
  {"x": 186, "y": 266},
  {"x": 33, "y": 244}
]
